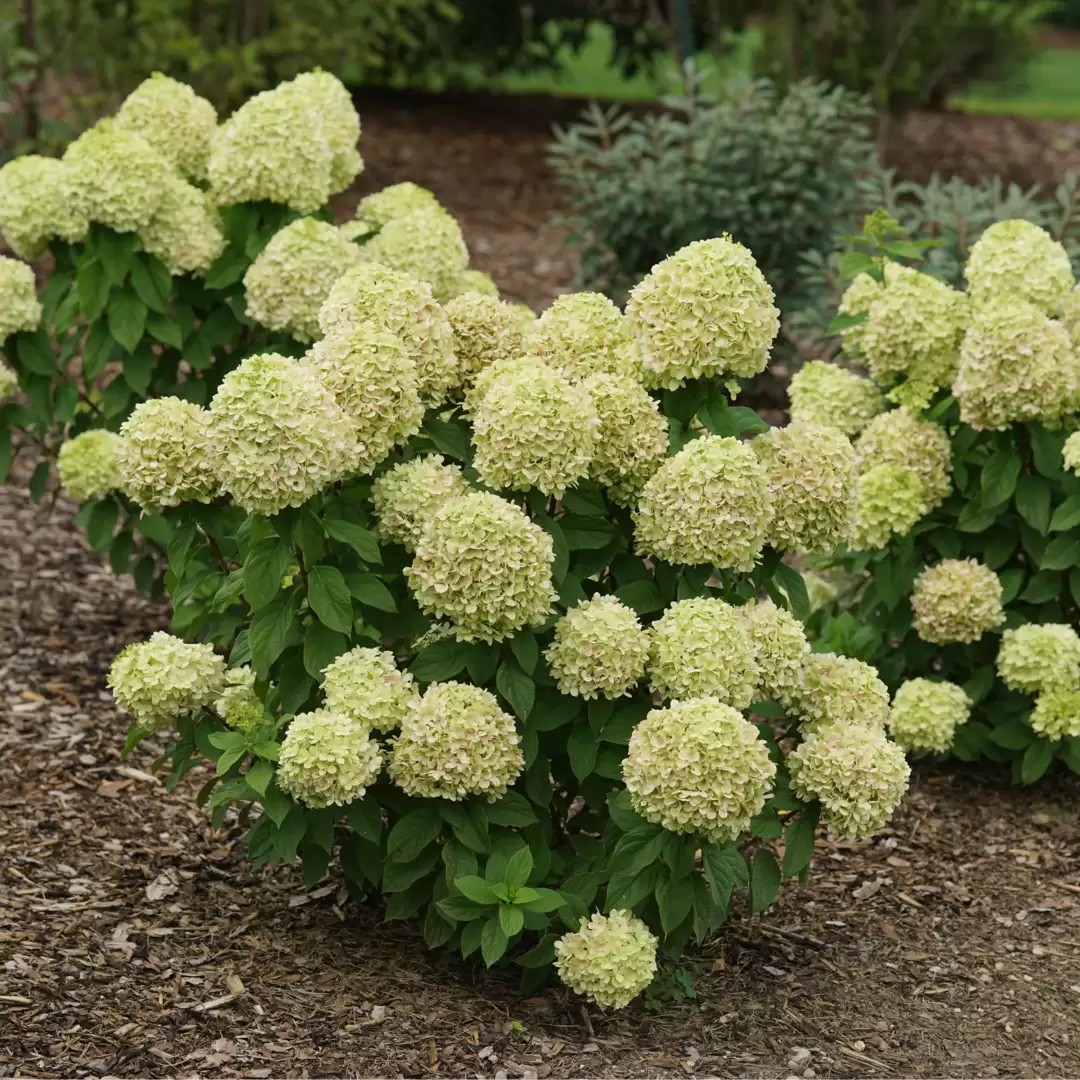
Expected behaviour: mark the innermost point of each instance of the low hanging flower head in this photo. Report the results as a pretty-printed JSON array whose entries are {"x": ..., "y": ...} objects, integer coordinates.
[
  {"x": 185, "y": 232},
  {"x": 1036, "y": 658},
  {"x": 21, "y": 309},
  {"x": 780, "y": 650},
  {"x": 1017, "y": 260},
  {"x": 485, "y": 331},
  {"x": 34, "y": 207},
  {"x": 889, "y": 500},
  {"x": 838, "y": 690},
  {"x": 327, "y": 759},
  {"x": 957, "y": 600},
  {"x": 898, "y": 438},
  {"x": 88, "y": 465},
  {"x": 925, "y": 714},
  {"x": 366, "y": 686},
  {"x": 610, "y": 958},
  {"x": 1056, "y": 715}
]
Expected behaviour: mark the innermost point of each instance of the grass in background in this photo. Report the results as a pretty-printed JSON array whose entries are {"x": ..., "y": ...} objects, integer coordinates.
[{"x": 1048, "y": 89}]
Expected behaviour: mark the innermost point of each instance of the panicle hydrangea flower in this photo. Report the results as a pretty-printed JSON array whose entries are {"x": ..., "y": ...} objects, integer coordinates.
[
  {"x": 819, "y": 590},
  {"x": 477, "y": 281},
  {"x": 482, "y": 564},
  {"x": 405, "y": 497},
  {"x": 88, "y": 465},
  {"x": 837, "y": 690},
  {"x": 327, "y": 759},
  {"x": 704, "y": 312},
  {"x": 914, "y": 328},
  {"x": 633, "y": 435},
  {"x": 393, "y": 202},
  {"x": 375, "y": 383},
  {"x": 889, "y": 500},
  {"x": 292, "y": 276},
  {"x": 163, "y": 679},
  {"x": 1056, "y": 714},
  {"x": 1018, "y": 260},
  {"x": 485, "y": 331},
  {"x": 403, "y": 305},
  {"x": 281, "y": 435},
  {"x": 857, "y": 773},
  {"x": 898, "y": 438},
  {"x": 331, "y": 104},
  {"x": 1016, "y": 365},
  {"x": 185, "y": 232},
  {"x": 272, "y": 149},
  {"x": 114, "y": 177},
  {"x": 780, "y": 650},
  {"x": 168, "y": 454},
  {"x": 486, "y": 379},
  {"x": 427, "y": 244},
  {"x": 34, "y": 206},
  {"x": 823, "y": 393},
  {"x": 925, "y": 714},
  {"x": 454, "y": 742},
  {"x": 1070, "y": 452},
  {"x": 710, "y": 503},
  {"x": 21, "y": 309},
  {"x": 812, "y": 476},
  {"x": 1070, "y": 312},
  {"x": 365, "y": 685},
  {"x": 9, "y": 382},
  {"x": 174, "y": 120},
  {"x": 1038, "y": 658},
  {"x": 609, "y": 958},
  {"x": 526, "y": 315},
  {"x": 534, "y": 429},
  {"x": 703, "y": 648},
  {"x": 698, "y": 766},
  {"x": 582, "y": 333},
  {"x": 857, "y": 298},
  {"x": 237, "y": 692},
  {"x": 957, "y": 600},
  {"x": 599, "y": 649}
]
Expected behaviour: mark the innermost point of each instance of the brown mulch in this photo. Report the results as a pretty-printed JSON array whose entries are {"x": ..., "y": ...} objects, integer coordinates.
[{"x": 135, "y": 942}]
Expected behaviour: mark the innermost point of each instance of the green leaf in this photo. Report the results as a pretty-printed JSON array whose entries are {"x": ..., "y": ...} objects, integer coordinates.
[
  {"x": 167, "y": 331},
  {"x": 329, "y": 598},
  {"x": 799, "y": 841},
  {"x": 92, "y": 286},
  {"x": 264, "y": 568},
  {"x": 1067, "y": 515},
  {"x": 526, "y": 651},
  {"x": 975, "y": 518},
  {"x": 493, "y": 942},
  {"x": 361, "y": 540},
  {"x": 725, "y": 868},
  {"x": 259, "y": 776},
  {"x": 1074, "y": 585},
  {"x": 369, "y": 590},
  {"x": 516, "y": 687},
  {"x": 470, "y": 824},
  {"x": 791, "y": 581},
  {"x": 999, "y": 477},
  {"x": 152, "y": 282},
  {"x": 511, "y": 919},
  {"x": 1042, "y": 587},
  {"x": 440, "y": 661},
  {"x": 638, "y": 849},
  {"x": 461, "y": 910},
  {"x": 127, "y": 320},
  {"x": 322, "y": 646},
  {"x": 97, "y": 351},
  {"x": 1046, "y": 450},
  {"x": 587, "y": 533},
  {"x": 269, "y": 630},
  {"x": 518, "y": 868},
  {"x": 1033, "y": 502},
  {"x": 412, "y": 834},
  {"x": 365, "y": 816},
  {"x": 476, "y": 889},
  {"x": 276, "y": 803},
  {"x": 643, "y": 596},
  {"x": 35, "y": 352},
  {"x": 451, "y": 438},
  {"x": 114, "y": 251},
  {"x": 1012, "y": 735},
  {"x": 1062, "y": 553},
  {"x": 1037, "y": 759},
  {"x": 541, "y": 954},
  {"x": 839, "y": 323},
  {"x": 482, "y": 660},
  {"x": 854, "y": 263},
  {"x": 512, "y": 810},
  {"x": 544, "y": 901},
  {"x": 1011, "y": 580},
  {"x": 673, "y": 899},
  {"x": 102, "y": 522},
  {"x": 582, "y": 747},
  {"x": 764, "y": 879}
]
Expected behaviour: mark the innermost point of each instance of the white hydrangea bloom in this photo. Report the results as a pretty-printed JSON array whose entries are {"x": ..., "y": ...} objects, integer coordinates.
[
  {"x": 837, "y": 690},
  {"x": 185, "y": 232},
  {"x": 957, "y": 600},
  {"x": 88, "y": 466},
  {"x": 780, "y": 650},
  {"x": 366, "y": 686},
  {"x": 898, "y": 438},
  {"x": 925, "y": 714},
  {"x": 407, "y": 495},
  {"x": 1056, "y": 715},
  {"x": 610, "y": 958},
  {"x": 20, "y": 310},
  {"x": 330, "y": 104},
  {"x": 34, "y": 206},
  {"x": 1016, "y": 260},
  {"x": 889, "y": 500},
  {"x": 823, "y": 393},
  {"x": 1039, "y": 658},
  {"x": 327, "y": 759},
  {"x": 582, "y": 334},
  {"x": 485, "y": 332}
]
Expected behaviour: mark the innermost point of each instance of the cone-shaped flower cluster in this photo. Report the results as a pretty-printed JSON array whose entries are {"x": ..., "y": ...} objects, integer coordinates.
[
  {"x": 366, "y": 686},
  {"x": 9, "y": 383},
  {"x": 857, "y": 298},
  {"x": 237, "y": 703},
  {"x": 88, "y": 465},
  {"x": 21, "y": 309},
  {"x": 185, "y": 231},
  {"x": 393, "y": 202},
  {"x": 327, "y": 759},
  {"x": 838, "y": 690},
  {"x": 925, "y": 714},
  {"x": 780, "y": 650},
  {"x": 1070, "y": 452},
  {"x": 957, "y": 600},
  {"x": 1016, "y": 260},
  {"x": 610, "y": 958},
  {"x": 405, "y": 497},
  {"x": 34, "y": 206},
  {"x": 476, "y": 281},
  {"x": 898, "y": 438},
  {"x": 823, "y": 393},
  {"x": 889, "y": 501},
  {"x": 581, "y": 334},
  {"x": 485, "y": 331},
  {"x": 1056, "y": 715},
  {"x": 1035, "y": 658}
]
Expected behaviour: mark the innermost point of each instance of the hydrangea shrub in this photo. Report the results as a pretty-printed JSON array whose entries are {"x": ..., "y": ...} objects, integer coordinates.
[
  {"x": 510, "y": 635},
  {"x": 963, "y": 578}
]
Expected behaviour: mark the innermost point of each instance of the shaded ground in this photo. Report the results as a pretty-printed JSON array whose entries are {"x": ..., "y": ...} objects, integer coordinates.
[{"x": 134, "y": 942}]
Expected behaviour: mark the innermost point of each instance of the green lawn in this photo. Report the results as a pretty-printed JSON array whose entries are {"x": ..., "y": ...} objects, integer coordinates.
[{"x": 1049, "y": 89}]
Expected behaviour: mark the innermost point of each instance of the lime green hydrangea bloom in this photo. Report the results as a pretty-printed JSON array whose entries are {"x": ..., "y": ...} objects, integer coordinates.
[
  {"x": 327, "y": 759},
  {"x": 1016, "y": 365},
  {"x": 403, "y": 305},
  {"x": 168, "y": 454},
  {"x": 581, "y": 334},
  {"x": 857, "y": 298},
  {"x": 407, "y": 495},
  {"x": 477, "y": 281},
  {"x": 819, "y": 590},
  {"x": 698, "y": 766},
  {"x": 837, "y": 690},
  {"x": 34, "y": 206},
  {"x": 925, "y": 714},
  {"x": 1070, "y": 312},
  {"x": 427, "y": 244},
  {"x": 185, "y": 232},
  {"x": 858, "y": 775},
  {"x": 1056, "y": 715},
  {"x": 174, "y": 120},
  {"x": 9, "y": 383},
  {"x": 484, "y": 380},
  {"x": 234, "y": 703},
  {"x": 823, "y": 393},
  {"x": 1070, "y": 452},
  {"x": 485, "y": 332},
  {"x": 1039, "y": 658},
  {"x": 330, "y": 103},
  {"x": 454, "y": 742},
  {"x": 702, "y": 647},
  {"x": 599, "y": 649},
  {"x": 898, "y": 438},
  {"x": 1016, "y": 260},
  {"x": 161, "y": 680},
  {"x": 609, "y": 959},
  {"x": 114, "y": 177},
  {"x": 780, "y": 650},
  {"x": 292, "y": 276},
  {"x": 88, "y": 465},
  {"x": 482, "y": 564},
  {"x": 20, "y": 310},
  {"x": 889, "y": 500},
  {"x": 366, "y": 686},
  {"x": 957, "y": 600},
  {"x": 281, "y": 435},
  {"x": 375, "y": 383},
  {"x": 526, "y": 315},
  {"x": 393, "y": 202},
  {"x": 534, "y": 429},
  {"x": 812, "y": 476},
  {"x": 704, "y": 312},
  {"x": 633, "y": 436},
  {"x": 710, "y": 503}
]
